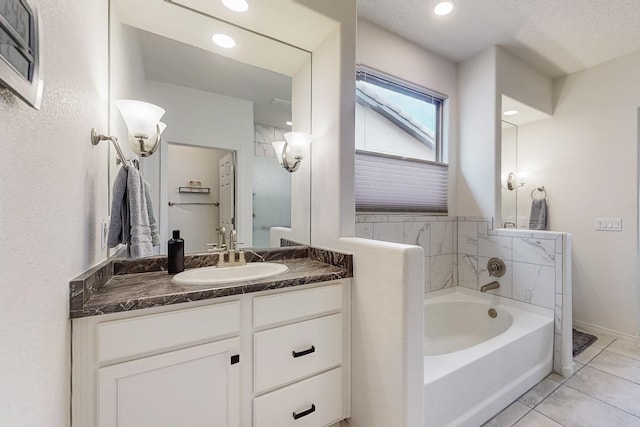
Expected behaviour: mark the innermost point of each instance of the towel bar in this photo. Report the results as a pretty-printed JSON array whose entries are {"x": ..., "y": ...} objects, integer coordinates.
[
  {"x": 540, "y": 189},
  {"x": 194, "y": 203}
]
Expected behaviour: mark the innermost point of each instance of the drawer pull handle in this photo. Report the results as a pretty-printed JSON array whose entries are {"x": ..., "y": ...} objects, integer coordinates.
[
  {"x": 304, "y": 352},
  {"x": 305, "y": 413}
]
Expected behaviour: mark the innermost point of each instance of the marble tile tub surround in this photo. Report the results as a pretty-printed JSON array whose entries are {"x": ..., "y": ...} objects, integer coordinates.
[
  {"x": 121, "y": 285},
  {"x": 457, "y": 250}
]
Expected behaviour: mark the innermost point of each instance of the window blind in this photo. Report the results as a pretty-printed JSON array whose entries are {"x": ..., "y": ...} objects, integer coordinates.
[{"x": 387, "y": 183}]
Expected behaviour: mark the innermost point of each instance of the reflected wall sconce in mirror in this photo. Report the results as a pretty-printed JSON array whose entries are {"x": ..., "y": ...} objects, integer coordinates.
[
  {"x": 512, "y": 181},
  {"x": 143, "y": 125},
  {"x": 290, "y": 152}
]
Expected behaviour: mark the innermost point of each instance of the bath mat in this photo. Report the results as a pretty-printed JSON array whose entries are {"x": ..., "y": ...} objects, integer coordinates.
[{"x": 581, "y": 340}]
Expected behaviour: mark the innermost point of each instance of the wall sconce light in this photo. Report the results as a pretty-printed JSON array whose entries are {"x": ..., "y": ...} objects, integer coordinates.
[
  {"x": 143, "y": 125},
  {"x": 512, "y": 181},
  {"x": 290, "y": 152}
]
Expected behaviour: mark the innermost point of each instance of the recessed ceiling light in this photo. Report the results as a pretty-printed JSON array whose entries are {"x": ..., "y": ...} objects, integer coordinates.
[
  {"x": 289, "y": 123},
  {"x": 223, "y": 40},
  {"x": 444, "y": 7},
  {"x": 510, "y": 113},
  {"x": 236, "y": 5}
]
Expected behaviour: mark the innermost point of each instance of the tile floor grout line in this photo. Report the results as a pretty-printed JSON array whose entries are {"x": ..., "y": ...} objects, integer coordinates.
[
  {"x": 602, "y": 401},
  {"x": 614, "y": 375},
  {"x": 518, "y": 420},
  {"x": 545, "y": 415}
]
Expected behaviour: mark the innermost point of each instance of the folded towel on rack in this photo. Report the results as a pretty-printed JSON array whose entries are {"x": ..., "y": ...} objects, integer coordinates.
[
  {"x": 153, "y": 224},
  {"x": 538, "y": 215},
  {"x": 140, "y": 244},
  {"x": 119, "y": 224},
  {"x": 133, "y": 222}
]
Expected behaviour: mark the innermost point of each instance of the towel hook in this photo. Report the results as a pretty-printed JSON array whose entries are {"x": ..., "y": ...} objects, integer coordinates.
[{"x": 540, "y": 189}]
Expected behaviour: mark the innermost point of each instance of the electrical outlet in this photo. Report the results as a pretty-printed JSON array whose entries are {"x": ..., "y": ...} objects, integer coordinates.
[
  {"x": 523, "y": 221},
  {"x": 103, "y": 234}
]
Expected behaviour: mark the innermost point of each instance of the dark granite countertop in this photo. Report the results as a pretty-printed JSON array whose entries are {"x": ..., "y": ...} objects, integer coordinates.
[{"x": 120, "y": 285}]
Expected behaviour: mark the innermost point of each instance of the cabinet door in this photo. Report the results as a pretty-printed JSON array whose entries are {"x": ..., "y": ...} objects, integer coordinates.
[{"x": 195, "y": 387}]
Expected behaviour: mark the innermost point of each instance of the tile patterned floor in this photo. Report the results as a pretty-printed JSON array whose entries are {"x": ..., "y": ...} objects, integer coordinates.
[{"x": 604, "y": 391}]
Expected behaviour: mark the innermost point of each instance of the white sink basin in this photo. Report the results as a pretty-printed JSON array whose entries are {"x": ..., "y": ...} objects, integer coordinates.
[{"x": 219, "y": 275}]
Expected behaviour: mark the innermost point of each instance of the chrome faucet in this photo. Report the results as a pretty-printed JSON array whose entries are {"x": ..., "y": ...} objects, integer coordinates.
[
  {"x": 509, "y": 224},
  {"x": 231, "y": 249},
  {"x": 490, "y": 286}
]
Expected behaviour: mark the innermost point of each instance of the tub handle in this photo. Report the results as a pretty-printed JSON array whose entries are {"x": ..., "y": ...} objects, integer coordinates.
[
  {"x": 305, "y": 413},
  {"x": 303, "y": 352}
]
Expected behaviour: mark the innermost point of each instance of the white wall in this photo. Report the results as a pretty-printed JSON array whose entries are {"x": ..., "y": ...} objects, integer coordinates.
[
  {"x": 206, "y": 119},
  {"x": 478, "y": 168},
  {"x": 53, "y": 194},
  {"x": 197, "y": 223},
  {"x": 386, "y": 52},
  {"x": 586, "y": 156},
  {"x": 519, "y": 81}
]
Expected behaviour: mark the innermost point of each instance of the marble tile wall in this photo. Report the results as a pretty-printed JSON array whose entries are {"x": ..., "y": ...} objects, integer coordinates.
[
  {"x": 457, "y": 250},
  {"x": 437, "y": 235},
  {"x": 265, "y": 135}
]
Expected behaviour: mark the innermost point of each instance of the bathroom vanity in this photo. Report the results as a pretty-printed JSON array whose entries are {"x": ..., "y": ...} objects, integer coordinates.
[{"x": 272, "y": 352}]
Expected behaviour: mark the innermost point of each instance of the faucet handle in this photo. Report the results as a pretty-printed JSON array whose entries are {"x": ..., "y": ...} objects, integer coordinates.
[{"x": 496, "y": 267}]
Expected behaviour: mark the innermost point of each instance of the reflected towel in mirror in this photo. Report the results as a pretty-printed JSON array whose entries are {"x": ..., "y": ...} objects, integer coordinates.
[{"x": 538, "y": 216}]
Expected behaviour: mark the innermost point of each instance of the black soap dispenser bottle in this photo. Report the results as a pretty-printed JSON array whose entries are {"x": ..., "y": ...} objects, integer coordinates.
[{"x": 175, "y": 253}]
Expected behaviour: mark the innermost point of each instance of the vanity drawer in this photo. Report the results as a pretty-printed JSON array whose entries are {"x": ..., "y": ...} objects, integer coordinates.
[
  {"x": 292, "y": 352},
  {"x": 310, "y": 403},
  {"x": 125, "y": 339},
  {"x": 291, "y": 306}
]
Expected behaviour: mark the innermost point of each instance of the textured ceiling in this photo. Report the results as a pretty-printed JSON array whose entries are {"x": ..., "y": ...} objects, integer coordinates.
[{"x": 556, "y": 36}]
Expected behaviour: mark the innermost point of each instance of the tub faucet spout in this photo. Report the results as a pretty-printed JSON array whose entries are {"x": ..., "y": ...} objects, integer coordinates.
[{"x": 490, "y": 286}]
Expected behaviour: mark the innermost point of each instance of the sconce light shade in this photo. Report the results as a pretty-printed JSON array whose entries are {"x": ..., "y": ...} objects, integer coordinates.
[
  {"x": 291, "y": 151},
  {"x": 298, "y": 143},
  {"x": 278, "y": 147},
  {"x": 143, "y": 124}
]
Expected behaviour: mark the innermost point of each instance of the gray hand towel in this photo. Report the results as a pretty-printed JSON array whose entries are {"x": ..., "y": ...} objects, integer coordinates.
[
  {"x": 538, "y": 216},
  {"x": 153, "y": 224},
  {"x": 141, "y": 243},
  {"x": 119, "y": 224}
]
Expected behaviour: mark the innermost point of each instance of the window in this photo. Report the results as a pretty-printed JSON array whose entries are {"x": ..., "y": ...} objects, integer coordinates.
[
  {"x": 400, "y": 155},
  {"x": 19, "y": 50}
]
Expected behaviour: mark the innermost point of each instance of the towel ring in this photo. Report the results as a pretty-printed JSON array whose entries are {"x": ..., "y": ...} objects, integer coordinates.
[{"x": 540, "y": 189}]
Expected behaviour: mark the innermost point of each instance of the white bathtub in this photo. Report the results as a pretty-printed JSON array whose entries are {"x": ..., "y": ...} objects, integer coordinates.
[{"x": 475, "y": 365}]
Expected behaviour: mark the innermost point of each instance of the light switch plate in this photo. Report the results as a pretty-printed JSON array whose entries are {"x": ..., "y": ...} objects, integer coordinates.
[{"x": 608, "y": 224}]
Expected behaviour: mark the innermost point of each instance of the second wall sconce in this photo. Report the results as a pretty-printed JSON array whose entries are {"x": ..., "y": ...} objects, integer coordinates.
[
  {"x": 291, "y": 151},
  {"x": 143, "y": 125}
]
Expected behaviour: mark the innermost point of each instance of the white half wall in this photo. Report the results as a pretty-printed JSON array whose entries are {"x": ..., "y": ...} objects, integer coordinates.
[
  {"x": 586, "y": 156},
  {"x": 53, "y": 196},
  {"x": 387, "y": 319}
]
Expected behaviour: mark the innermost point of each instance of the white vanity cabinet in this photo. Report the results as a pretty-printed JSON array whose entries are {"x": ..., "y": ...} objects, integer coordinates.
[
  {"x": 197, "y": 386},
  {"x": 173, "y": 368},
  {"x": 264, "y": 359},
  {"x": 301, "y": 345}
]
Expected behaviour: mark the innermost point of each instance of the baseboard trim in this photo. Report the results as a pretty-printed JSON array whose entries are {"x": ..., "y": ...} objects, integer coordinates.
[{"x": 583, "y": 326}]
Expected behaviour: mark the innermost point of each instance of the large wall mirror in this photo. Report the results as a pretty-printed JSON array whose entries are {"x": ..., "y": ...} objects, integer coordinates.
[
  {"x": 224, "y": 107},
  {"x": 518, "y": 169}
]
